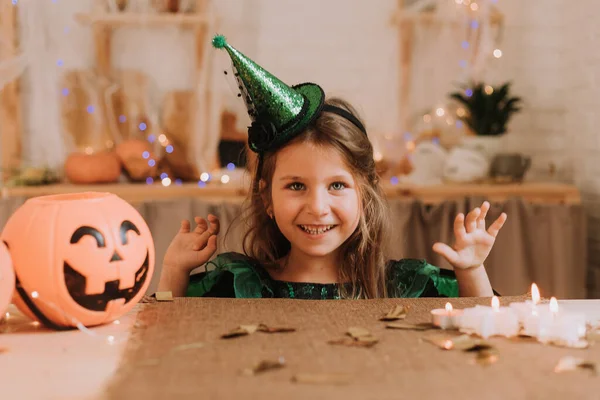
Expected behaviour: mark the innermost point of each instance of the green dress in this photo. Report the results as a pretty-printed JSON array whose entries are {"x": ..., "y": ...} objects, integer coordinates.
[{"x": 236, "y": 275}]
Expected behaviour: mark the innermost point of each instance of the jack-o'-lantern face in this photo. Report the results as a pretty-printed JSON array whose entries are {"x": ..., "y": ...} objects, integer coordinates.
[
  {"x": 77, "y": 280},
  {"x": 82, "y": 258}
]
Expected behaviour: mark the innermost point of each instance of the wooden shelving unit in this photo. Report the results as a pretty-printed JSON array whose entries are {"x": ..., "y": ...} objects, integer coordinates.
[
  {"x": 103, "y": 23},
  {"x": 199, "y": 21}
]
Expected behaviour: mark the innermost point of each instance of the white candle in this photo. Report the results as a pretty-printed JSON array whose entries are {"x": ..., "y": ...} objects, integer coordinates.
[
  {"x": 550, "y": 325},
  {"x": 490, "y": 321},
  {"x": 446, "y": 318},
  {"x": 527, "y": 308}
]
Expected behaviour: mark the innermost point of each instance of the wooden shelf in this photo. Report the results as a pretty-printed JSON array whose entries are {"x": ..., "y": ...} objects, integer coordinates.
[
  {"x": 431, "y": 17},
  {"x": 128, "y": 19},
  {"x": 533, "y": 192},
  {"x": 136, "y": 192},
  {"x": 539, "y": 193}
]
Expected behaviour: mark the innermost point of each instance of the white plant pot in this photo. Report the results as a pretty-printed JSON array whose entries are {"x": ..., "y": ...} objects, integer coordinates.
[
  {"x": 466, "y": 166},
  {"x": 487, "y": 145}
]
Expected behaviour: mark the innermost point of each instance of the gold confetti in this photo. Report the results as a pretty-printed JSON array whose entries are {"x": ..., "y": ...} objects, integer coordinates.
[
  {"x": 148, "y": 299},
  {"x": 569, "y": 363},
  {"x": 264, "y": 366},
  {"x": 469, "y": 343},
  {"x": 357, "y": 333},
  {"x": 164, "y": 296},
  {"x": 266, "y": 329},
  {"x": 242, "y": 330},
  {"x": 396, "y": 313},
  {"x": 359, "y": 337},
  {"x": 486, "y": 356},
  {"x": 411, "y": 327}
]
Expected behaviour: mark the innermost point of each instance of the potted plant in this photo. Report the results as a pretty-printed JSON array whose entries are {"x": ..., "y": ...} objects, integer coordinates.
[{"x": 488, "y": 110}]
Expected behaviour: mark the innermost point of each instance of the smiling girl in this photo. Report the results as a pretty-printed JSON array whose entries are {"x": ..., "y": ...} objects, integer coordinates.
[{"x": 317, "y": 217}]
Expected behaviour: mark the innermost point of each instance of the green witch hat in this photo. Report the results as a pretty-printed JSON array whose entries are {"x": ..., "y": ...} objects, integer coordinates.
[{"x": 278, "y": 112}]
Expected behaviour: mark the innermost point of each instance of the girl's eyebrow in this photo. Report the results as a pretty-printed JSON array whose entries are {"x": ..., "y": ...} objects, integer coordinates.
[
  {"x": 290, "y": 177},
  {"x": 295, "y": 177}
]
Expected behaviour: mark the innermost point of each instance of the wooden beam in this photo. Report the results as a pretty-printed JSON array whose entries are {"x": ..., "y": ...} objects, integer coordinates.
[
  {"x": 406, "y": 39},
  {"x": 102, "y": 39},
  {"x": 11, "y": 128},
  {"x": 201, "y": 38}
]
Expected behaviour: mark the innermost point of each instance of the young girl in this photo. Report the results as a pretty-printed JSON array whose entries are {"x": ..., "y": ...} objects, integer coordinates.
[{"x": 317, "y": 216}]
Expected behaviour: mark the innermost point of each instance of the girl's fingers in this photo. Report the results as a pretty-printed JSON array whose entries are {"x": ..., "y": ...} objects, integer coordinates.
[
  {"x": 185, "y": 226},
  {"x": 497, "y": 225},
  {"x": 459, "y": 226},
  {"x": 471, "y": 220}
]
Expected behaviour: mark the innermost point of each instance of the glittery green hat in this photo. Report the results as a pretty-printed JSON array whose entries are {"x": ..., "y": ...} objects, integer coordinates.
[{"x": 278, "y": 112}]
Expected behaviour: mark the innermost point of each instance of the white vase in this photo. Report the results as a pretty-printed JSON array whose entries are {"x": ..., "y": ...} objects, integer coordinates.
[
  {"x": 487, "y": 145},
  {"x": 466, "y": 166}
]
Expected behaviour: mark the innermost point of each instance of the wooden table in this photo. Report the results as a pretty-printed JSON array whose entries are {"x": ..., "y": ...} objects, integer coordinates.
[{"x": 41, "y": 364}]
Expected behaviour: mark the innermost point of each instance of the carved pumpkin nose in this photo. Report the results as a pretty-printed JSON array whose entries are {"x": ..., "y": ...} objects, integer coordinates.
[{"x": 115, "y": 257}]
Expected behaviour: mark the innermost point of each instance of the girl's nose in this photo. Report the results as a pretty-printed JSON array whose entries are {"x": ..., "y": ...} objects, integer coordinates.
[{"x": 318, "y": 202}]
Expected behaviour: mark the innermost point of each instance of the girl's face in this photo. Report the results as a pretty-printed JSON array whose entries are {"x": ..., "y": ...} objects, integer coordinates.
[{"x": 315, "y": 199}]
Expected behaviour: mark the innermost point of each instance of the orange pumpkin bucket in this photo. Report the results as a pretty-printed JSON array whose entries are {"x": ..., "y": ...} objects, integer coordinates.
[
  {"x": 7, "y": 279},
  {"x": 78, "y": 258}
]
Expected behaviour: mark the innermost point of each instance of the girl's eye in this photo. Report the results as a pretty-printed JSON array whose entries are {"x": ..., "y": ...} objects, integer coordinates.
[
  {"x": 338, "y": 185},
  {"x": 295, "y": 186}
]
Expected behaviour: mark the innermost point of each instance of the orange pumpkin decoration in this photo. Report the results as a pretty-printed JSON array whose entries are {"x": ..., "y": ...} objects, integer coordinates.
[
  {"x": 130, "y": 152},
  {"x": 79, "y": 258},
  {"x": 101, "y": 167},
  {"x": 7, "y": 279}
]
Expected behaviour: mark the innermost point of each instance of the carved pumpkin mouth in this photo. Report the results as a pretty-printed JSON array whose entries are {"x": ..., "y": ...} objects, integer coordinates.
[{"x": 76, "y": 284}]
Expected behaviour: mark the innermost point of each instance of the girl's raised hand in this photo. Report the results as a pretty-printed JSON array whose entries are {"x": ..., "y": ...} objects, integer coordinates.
[
  {"x": 473, "y": 242},
  {"x": 192, "y": 248}
]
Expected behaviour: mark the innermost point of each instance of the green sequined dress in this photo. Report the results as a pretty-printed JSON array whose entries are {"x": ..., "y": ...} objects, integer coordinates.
[{"x": 238, "y": 276}]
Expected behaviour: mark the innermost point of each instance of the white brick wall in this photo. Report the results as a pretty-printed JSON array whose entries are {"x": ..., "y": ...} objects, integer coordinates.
[
  {"x": 533, "y": 59},
  {"x": 581, "y": 75}
]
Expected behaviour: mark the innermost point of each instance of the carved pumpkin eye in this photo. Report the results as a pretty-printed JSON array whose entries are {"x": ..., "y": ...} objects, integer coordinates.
[
  {"x": 88, "y": 231},
  {"x": 127, "y": 226}
]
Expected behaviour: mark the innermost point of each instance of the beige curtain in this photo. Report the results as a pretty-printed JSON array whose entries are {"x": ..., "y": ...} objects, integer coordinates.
[
  {"x": 540, "y": 243},
  {"x": 545, "y": 244}
]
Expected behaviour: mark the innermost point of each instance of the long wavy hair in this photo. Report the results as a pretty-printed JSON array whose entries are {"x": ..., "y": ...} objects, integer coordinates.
[{"x": 363, "y": 263}]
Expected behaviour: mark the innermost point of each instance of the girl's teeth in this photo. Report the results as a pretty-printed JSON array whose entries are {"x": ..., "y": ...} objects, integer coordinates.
[{"x": 316, "y": 231}]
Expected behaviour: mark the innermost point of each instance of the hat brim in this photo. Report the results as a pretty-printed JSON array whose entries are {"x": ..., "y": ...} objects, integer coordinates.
[{"x": 314, "y": 98}]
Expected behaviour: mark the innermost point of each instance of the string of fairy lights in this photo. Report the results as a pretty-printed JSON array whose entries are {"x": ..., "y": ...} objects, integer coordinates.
[
  {"x": 441, "y": 112},
  {"x": 451, "y": 117},
  {"x": 144, "y": 129}
]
